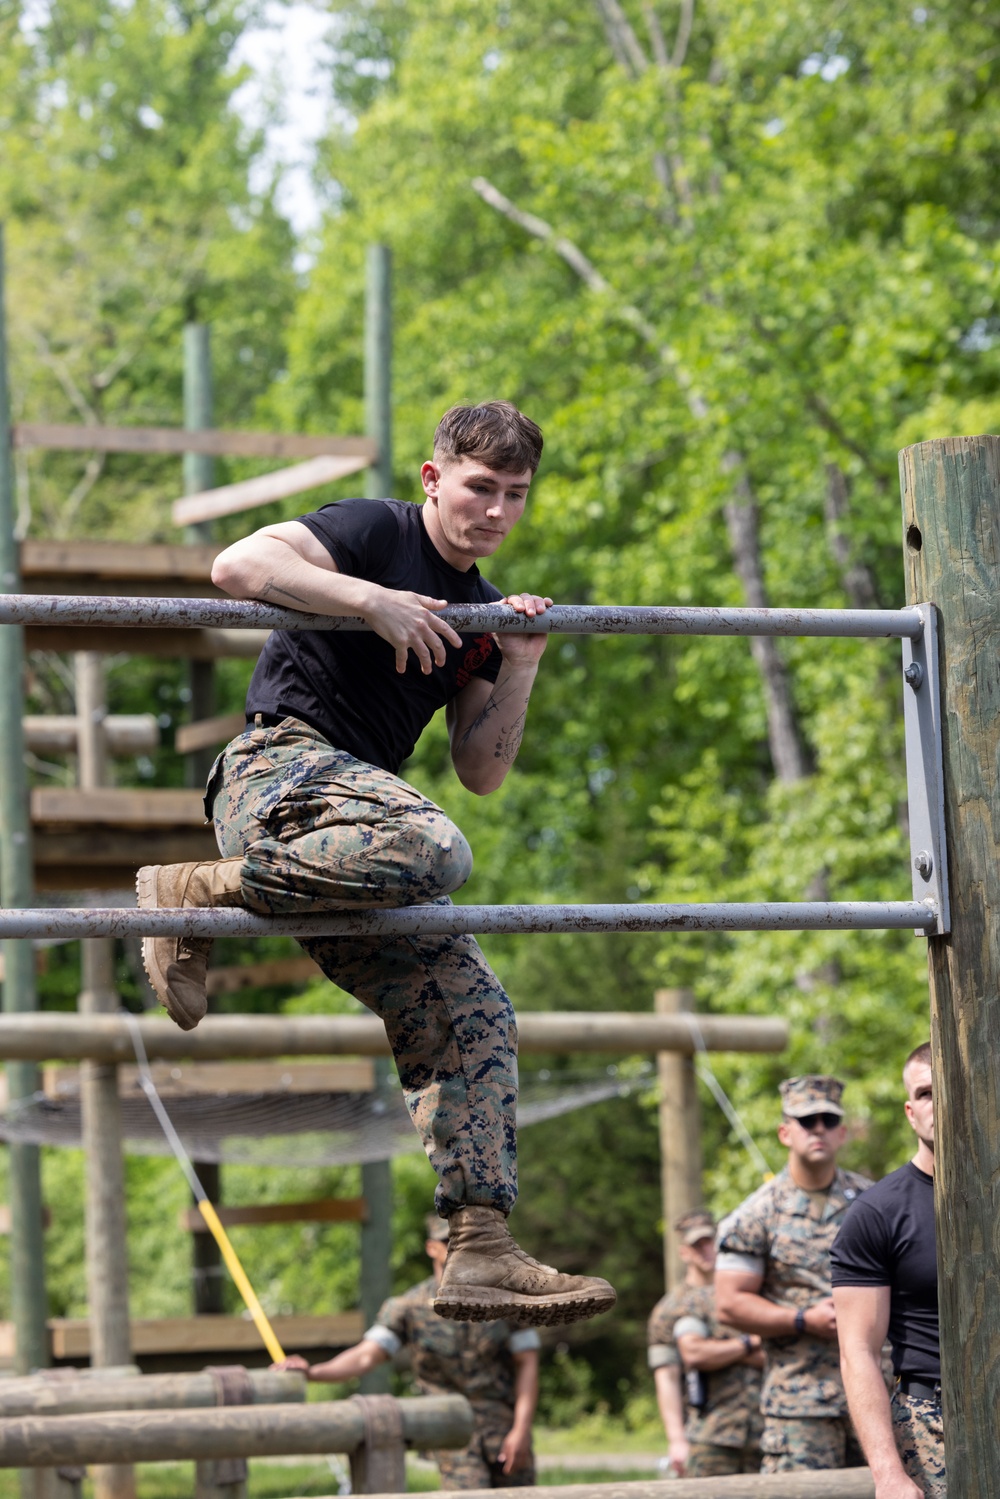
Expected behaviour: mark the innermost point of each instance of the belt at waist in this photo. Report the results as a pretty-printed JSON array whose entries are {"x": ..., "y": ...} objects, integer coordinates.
[
  {"x": 923, "y": 1389},
  {"x": 265, "y": 720}
]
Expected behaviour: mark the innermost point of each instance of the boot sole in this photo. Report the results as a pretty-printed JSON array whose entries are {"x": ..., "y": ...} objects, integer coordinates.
[
  {"x": 145, "y": 889},
  {"x": 526, "y": 1311}
]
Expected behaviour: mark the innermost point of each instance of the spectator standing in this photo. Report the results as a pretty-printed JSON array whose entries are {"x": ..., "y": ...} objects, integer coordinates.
[
  {"x": 773, "y": 1279},
  {"x": 493, "y": 1365},
  {"x": 885, "y": 1281},
  {"x": 720, "y": 1431}
]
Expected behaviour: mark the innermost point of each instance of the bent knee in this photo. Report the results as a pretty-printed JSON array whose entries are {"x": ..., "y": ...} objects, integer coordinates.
[{"x": 444, "y": 862}]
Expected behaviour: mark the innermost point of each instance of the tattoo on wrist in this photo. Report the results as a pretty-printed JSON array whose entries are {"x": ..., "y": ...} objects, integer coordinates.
[{"x": 271, "y": 588}]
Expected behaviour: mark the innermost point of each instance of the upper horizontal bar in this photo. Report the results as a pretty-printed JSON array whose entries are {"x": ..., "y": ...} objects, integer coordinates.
[
  {"x": 559, "y": 619},
  {"x": 437, "y": 920}
]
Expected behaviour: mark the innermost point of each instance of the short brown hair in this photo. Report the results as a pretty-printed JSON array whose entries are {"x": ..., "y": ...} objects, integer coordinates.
[
  {"x": 496, "y": 433},
  {"x": 921, "y": 1053}
]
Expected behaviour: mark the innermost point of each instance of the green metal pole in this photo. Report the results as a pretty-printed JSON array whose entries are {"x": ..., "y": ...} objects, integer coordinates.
[
  {"x": 27, "y": 1248},
  {"x": 376, "y": 1241},
  {"x": 199, "y": 468},
  {"x": 378, "y": 368}
]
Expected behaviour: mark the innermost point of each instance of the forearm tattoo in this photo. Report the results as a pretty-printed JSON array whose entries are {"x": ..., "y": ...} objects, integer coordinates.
[
  {"x": 271, "y": 588},
  {"x": 508, "y": 739}
]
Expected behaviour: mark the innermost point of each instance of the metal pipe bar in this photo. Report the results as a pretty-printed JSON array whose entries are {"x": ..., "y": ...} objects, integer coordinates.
[
  {"x": 437, "y": 920},
  {"x": 50, "y": 1036},
  {"x": 560, "y": 619}
]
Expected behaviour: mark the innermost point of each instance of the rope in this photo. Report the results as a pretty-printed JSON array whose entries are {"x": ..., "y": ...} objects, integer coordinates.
[
  {"x": 708, "y": 1077},
  {"x": 205, "y": 1207}
]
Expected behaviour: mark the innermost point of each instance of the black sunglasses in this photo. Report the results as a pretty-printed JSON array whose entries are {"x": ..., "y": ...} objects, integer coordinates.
[{"x": 828, "y": 1121}]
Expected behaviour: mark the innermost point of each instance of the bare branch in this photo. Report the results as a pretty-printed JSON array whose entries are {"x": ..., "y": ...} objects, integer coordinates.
[
  {"x": 60, "y": 369},
  {"x": 856, "y": 577},
  {"x": 683, "y": 33},
  {"x": 591, "y": 276},
  {"x": 657, "y": 41},
  {"x": 93, "y": 470},
  {"x": 622, "y": 39}
]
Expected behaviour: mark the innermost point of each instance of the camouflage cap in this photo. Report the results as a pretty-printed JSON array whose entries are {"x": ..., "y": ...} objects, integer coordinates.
[
  {"x": 695, "y": 1226},
  {"x": 810, "y": 1095},
  {"x": 436, "y": 1228}
]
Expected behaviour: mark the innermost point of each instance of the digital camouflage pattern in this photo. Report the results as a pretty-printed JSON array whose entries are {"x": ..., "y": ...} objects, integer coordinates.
[
  {"x": 790, "y": 1232},
  {"x": 473, "y": 1359},
  {"x": 732, "y": 1418},
  {"x": 704, "y": 1460},
  {"x": 919, "y": 1437},
  {"x": 319, "y": 831},
  {"x": 792, "y": 1445}
]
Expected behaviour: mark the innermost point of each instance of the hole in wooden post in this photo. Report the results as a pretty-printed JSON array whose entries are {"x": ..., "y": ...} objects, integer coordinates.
[{"x": 914, "y": 540}]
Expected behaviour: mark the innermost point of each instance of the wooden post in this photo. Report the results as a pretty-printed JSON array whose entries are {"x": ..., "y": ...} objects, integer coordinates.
[
  {"x": 27, "y": 1246},
  {"x": 680, "y": 1136},
  {"x": 378, "y": 368},
  {"x": 951, "y": 526},
  {"x": 100, "y": 1107},
  {"x": 376, "y": 1242}
]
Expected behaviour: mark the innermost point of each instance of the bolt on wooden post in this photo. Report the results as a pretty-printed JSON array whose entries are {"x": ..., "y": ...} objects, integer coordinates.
[{"x": 951, "y": 547}]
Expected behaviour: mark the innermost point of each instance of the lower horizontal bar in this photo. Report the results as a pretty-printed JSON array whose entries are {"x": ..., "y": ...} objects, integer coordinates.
[
  {"x": 437, "y": 920},
  {"x": 568, "y": 619}
]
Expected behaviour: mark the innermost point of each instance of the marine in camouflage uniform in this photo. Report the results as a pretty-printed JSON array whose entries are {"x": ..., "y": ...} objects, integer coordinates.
[
  {"x": 781, "y": 1236},
  {"x": 723, "y": 1434}
]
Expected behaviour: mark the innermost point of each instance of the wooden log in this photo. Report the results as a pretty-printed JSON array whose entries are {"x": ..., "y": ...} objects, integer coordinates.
[
  {"x": 141, "y": 1392},
  {"x": 218, "y": 1335},
  {"x": 951, "y": 521},
  {"x": 845, "y": 1483},
  {"x": 205, "y": 733},
  {"x": 259, "y": 975},
  {"x": 322, "y": 1210},
  {"x": 125, "y": 563},
  {"x": 117, "y": 807},
  {"x": 680, "y": 1137},
  {"x": 177, "y": 441},
  {"x": 228, "y": 1431},
  {"x": 58, "y": 733},
  {"x": 232, "y": 499},
  {"x": 195, "y": 1079},
  {"x": 51, "y": 1037},
  {"x": 193, "y": 645}
]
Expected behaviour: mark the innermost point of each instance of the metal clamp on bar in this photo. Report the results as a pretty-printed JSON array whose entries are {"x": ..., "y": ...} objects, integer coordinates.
[
  {"x": 559, "y": 619},
  {"x": 925, "y": 771}
]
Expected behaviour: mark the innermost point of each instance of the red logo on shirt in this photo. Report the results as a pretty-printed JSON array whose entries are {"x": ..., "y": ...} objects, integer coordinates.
[{"x": 476, "y": 656}]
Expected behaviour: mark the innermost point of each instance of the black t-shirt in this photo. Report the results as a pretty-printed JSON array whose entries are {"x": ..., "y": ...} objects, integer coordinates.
[
  {"x": 345, "y": 683},
  {"x": 887, "y": 1239}
]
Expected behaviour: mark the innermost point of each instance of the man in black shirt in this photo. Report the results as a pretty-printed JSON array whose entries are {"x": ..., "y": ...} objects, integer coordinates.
[
  {"x": 885, "y": 1281},
  {"x": 311, "y": 815}
]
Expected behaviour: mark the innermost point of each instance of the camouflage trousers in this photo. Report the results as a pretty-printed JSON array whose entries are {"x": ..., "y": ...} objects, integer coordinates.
[
  {"x": 321, "y": 831},
  {"x": 919, "y": 1436},
  {"x": 476, "y": 1466},
  {"x": 709, "y": 1460},
  {"x": 791, "y": 1444}
]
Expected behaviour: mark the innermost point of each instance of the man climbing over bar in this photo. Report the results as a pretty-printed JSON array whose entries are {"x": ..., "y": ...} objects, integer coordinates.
[{"x": 311, "y": 815}]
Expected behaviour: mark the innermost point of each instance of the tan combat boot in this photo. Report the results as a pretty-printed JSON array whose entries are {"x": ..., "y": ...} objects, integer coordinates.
[
  {"x": 487, "y": 1276},
  {"x": 177, "y": 966}
]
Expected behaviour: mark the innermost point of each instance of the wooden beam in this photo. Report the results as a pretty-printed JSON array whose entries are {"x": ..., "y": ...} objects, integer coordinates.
[
  {"x": 58, "y": 733},
  {"x": 47, "y": 1036},
  {"x": 207, "y": 732},
  {"x": 193, "y": 645},
  {"x": 951, "y": 523},
  {"x": 116, "y": 561},
  {"x": 117, "y": 807},
  {"x": 195, "y": 1079},
  {"x": 97, "y": 1390},
  {"x": 175, "y": 440},
  {"x": 323, "y": 1210},
  {"x": 680, "y": 1136},
  {"x": 46, "y": 1212},
  {"x": 261, "y": 975},
  {"x": 71, "y": 1336},
  {"x": 248, "y": 494},
  {"x": 102, "y": 858}
]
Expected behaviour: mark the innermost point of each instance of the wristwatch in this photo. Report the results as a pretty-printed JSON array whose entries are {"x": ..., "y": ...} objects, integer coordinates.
[{"x": 800, "y": 1320}]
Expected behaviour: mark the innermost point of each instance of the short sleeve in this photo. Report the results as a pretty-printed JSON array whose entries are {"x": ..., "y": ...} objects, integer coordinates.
[
  {"x": 861, "y": 1253},
  {"x": 524, "y": 1340},
  {"x": 360, "y": 535},
  {"x": 744, "y": 1233},
  {"x": 392, "y": 1318},
  {"x": 663, "y": 1356},
  {"x": 691, "y": 1327}
]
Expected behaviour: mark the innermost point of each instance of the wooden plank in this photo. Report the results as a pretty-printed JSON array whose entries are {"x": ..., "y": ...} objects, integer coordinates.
[
  {"x": 58, "y": 733},
  {"x": 951, "y": 523},
  {"x": 208, "y": 732},
  {"x": 101, "y": 858},
  {"x": 192, "y": 645},
  {"x": 117, "y": 561},
  {"x": 216, "y": 1334},
  {"x": 260, "y": 975},
  {"x": 47, "y": 1213},
  {"x": 117, "y": 807},
  {"x": 175, "y": 440},
  {"x": 232, "y": 499},
  {"x": 195, "y": 1079},
  {"x": 322, "y": 1210},
  {"x": 680, "y": 1137}
]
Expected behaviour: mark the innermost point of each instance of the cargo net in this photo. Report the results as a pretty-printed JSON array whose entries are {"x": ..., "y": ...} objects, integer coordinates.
[{"x": 301, "y": 1129}]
